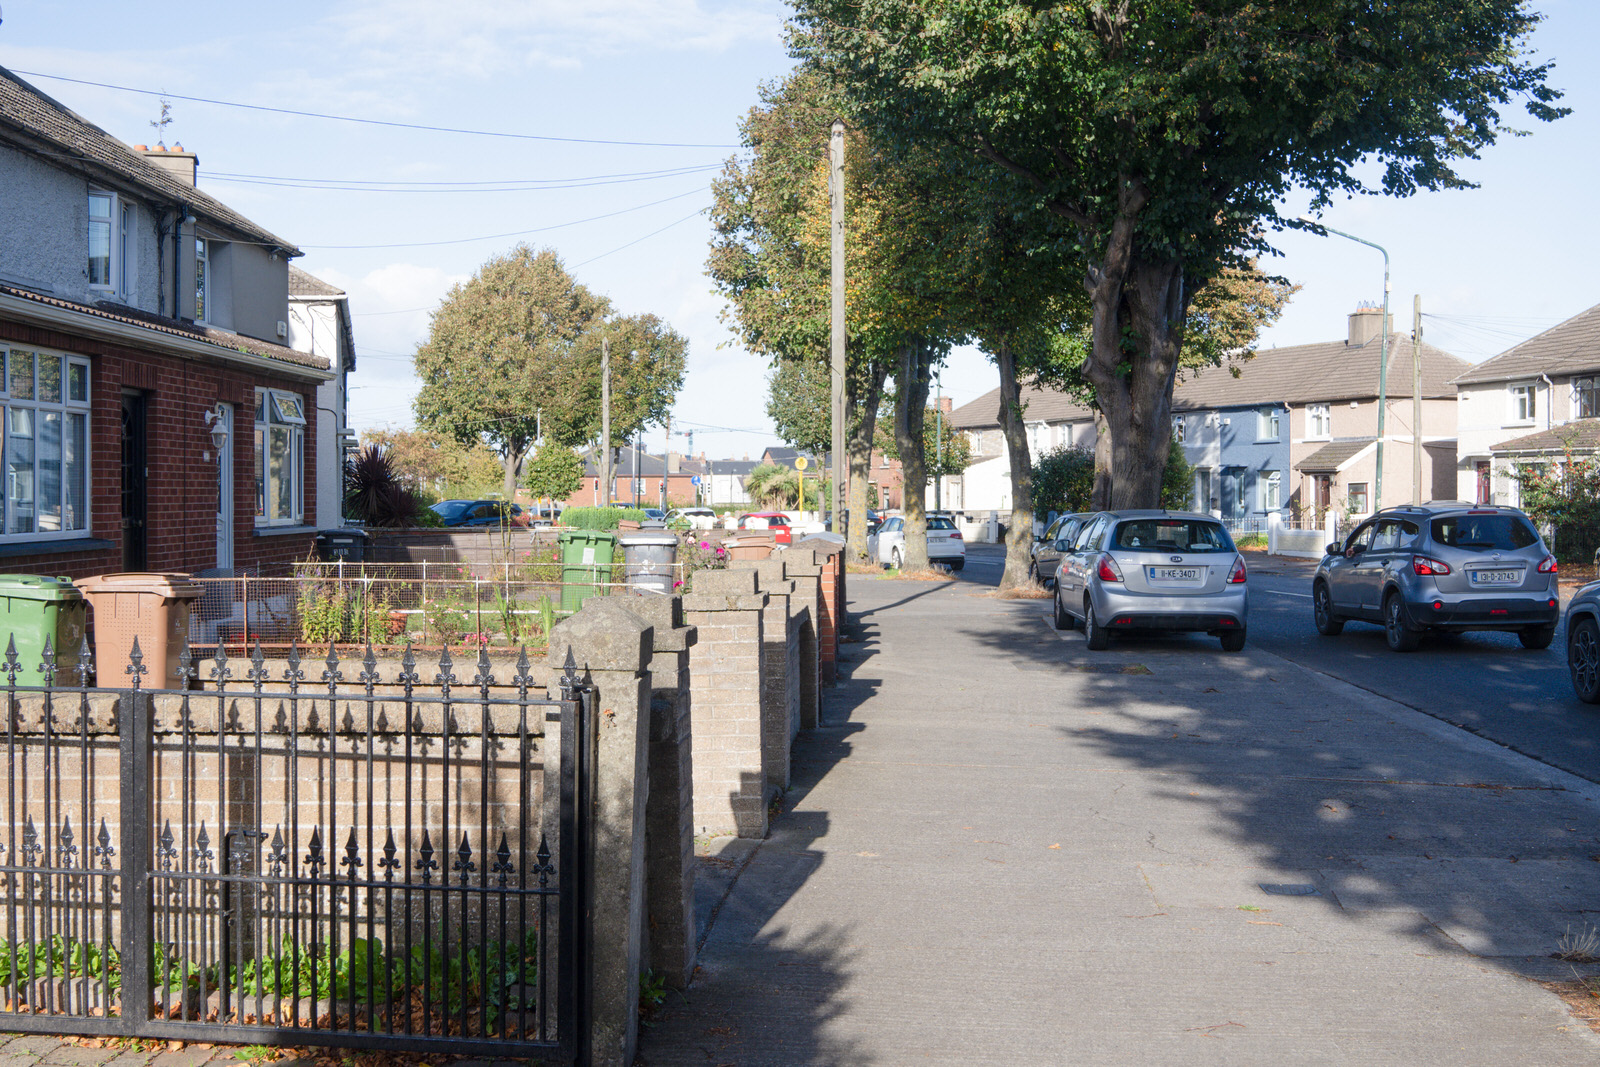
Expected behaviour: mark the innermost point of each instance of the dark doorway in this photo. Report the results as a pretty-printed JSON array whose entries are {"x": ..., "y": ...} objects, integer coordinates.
[{"x": 135, "y": 482}]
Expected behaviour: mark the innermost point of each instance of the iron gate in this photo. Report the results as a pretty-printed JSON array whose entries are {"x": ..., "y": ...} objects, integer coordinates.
[{"x": 373, "y": 862}]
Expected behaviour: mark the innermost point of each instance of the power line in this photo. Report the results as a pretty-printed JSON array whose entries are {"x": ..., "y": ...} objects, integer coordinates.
[
  {"x": 646, "y": 237},
  {"x": 524, "y": 233},
  {"x": 506, "y": 186},
  {"x": 369, "y": 122}
]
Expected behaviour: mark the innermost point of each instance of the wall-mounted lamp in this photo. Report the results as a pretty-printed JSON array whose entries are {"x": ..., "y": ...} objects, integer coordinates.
[{"x": 216, "y": 420}]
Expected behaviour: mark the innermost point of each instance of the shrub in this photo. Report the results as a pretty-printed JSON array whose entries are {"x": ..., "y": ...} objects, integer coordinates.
[
  {"x": 600, "y": 518},
  {"x": 374, "y": 493}
]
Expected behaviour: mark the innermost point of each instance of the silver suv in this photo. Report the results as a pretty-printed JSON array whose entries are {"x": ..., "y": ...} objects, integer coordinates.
[{"x": 1440, "y": 566}]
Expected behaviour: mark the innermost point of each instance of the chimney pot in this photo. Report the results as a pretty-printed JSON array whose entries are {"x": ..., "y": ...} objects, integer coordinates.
[{"x": 141, "y": 148}]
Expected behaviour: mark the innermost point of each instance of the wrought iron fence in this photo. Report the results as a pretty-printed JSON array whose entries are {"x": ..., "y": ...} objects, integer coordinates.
[{"x": 374, "y": 861}]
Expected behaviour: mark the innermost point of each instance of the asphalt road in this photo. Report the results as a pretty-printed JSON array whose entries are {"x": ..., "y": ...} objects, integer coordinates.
[{"x": 1483, "y": 682}]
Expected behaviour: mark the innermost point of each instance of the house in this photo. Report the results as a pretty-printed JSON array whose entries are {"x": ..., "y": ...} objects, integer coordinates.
[
  {"x": 1294, "y": 430},
  {"x": 1511, "y": 407},
  {"x": 636, "y": 478},
  {"x": 725, "y": 480},
  {"x": 319, "y": 323},
  {"x": 155, "y": 417},
  {"x": 1052, "y": 419}
]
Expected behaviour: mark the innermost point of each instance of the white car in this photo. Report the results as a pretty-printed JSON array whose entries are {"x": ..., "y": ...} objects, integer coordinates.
[
  {"x": 697, "y": 518},
  {"x": 887, "y": 544}
]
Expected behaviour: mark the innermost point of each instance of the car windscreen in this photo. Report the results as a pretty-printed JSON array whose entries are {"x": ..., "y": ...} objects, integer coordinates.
[
  {"x": 451, "y": 509},
  {"x": 1484, "y": 531},
  {"x": 1171, "y": 535},
  {"x": 941, "y": 524}
]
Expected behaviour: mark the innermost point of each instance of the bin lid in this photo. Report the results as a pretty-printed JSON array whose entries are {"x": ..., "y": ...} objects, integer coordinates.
[
  {"x": 169, "y": 584},
  {"x": 648, "y": 537},
  {"x": 587, "y": 535},
  {"x": 38, "y": 587},
  {"x": 344, "y": 531}
]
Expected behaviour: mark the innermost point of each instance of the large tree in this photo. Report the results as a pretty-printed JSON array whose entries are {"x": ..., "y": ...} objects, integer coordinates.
[
  {"x": 515, "y": 352},
  {"x": 1155, "y": 138}
]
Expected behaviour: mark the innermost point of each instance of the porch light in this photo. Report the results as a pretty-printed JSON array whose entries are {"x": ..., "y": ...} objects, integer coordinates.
[{"x": 216, "y": 421}]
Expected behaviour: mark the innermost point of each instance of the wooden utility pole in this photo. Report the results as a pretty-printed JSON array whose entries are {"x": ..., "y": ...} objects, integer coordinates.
[
  {"x": 836, "y": 171},
  {"x": 605, "y": 422},
  {"x": 666, "y": 461},
  {"x": 1416, "y": 399}
]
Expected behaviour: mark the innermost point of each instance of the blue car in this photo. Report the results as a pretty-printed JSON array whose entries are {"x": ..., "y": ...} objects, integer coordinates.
[{"x": 479, "y": 513}]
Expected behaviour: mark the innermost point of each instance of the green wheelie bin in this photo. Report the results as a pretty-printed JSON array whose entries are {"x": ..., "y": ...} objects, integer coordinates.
[
  {"x": 585, "y": 565},
  {"x": 38, "y": 608}
]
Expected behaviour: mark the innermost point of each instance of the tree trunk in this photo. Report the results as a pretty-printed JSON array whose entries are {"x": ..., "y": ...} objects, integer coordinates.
[
  {"x": 1019, "y": 534},
  {"x": 912, "y": 380},
  {"x": 1100, "y": 496},
  {"x": 1145, "y": 298},
  {"x": 861, "y": 426},
  {"x": 511, "y": 462}
]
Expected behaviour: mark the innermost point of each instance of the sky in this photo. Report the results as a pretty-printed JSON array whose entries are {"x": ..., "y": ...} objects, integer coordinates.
[{"x": 609, "y": 120}]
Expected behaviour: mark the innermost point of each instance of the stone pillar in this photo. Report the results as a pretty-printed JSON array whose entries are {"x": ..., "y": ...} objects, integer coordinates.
[
  {"x": 730, "y": 794},
  {"x": 805, "y": 606},
  {"x": 669, "y": 813},
  {"x": 831, "y": 620},
  {"x": 612, "y": 647},
  {"x": 780, "y": 671}
]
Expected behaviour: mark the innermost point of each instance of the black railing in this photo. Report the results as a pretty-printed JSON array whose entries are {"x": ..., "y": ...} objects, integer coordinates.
[{"x": 376, "y": 861}]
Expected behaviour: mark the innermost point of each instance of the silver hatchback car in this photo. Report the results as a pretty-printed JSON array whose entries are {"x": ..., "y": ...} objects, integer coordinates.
[
  {"x": 1440, "y": 566},
  {"x": 1153, "y": 570}
]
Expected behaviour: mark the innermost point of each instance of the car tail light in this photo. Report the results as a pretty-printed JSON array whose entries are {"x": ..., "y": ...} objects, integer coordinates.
[
  {"x": 1428, "y": 565},
  {"x": 1108, "y": 571},
  {"x": 1237, "y": 575},
  {"x": 1547, "y": 565},
  {"x": 955, "y": 535}
]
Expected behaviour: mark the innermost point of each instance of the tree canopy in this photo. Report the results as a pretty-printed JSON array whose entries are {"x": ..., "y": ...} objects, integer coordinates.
[{"x": 1154, "y": 139}]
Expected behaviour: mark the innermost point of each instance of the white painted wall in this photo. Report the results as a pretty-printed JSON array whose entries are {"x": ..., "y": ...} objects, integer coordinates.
[{"x": 314, "y": 328}]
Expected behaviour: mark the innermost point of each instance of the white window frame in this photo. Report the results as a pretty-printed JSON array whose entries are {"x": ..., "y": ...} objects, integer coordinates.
[
  {"x": 202, "y": 278},
  {"x": 1270, "y": 485},
  {"x": 1522, "y": 399},
  {"x": 113, "y": 226},
  {"x": 1180, "y": 427},
  {"x": 1586, "y": 388},
  {"x": 1366, "y": 497},
  {"x": 1315, "y": 414},
  {"x": 73, "y": 516},
  {"x": 1268, "y": 428},
  {"x": 281, "y": 411}
]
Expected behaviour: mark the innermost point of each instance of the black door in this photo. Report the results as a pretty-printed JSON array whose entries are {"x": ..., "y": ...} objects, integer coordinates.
[{"x": 135, "y": 477}]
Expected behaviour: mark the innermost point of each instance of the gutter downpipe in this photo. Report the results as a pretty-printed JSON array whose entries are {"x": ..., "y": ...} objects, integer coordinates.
[{"x": 1550, "y": 402}]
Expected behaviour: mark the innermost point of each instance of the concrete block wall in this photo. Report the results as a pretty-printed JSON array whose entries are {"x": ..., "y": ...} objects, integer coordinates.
[
  {"x": 780, "y": 670},
  {"x": 832, "y": 601},
  {"x": 725, "y": 665},
  {"x": 806, "y": 570}
]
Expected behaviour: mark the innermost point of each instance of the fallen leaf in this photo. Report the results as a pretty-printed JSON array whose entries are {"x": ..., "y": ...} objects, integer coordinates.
[{"x": 1055, "y": 846}]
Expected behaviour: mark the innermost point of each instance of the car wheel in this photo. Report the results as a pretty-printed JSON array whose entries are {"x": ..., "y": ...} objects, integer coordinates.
[
  {"x": 1401, "y": 637},
  {"x": 1583, "y": 660},
  {"x": 1232, "y": 640},
  {"x": 1033, "y": 570},
  {"x": 958, "y": 564},
  {"x": 1537, "y": 636},
  {"x": 1328, "y": 624},
  {"x": 896, "y": 560},
  {"x": 1093, "y": 633},
  {"x": 1063, "y": 620}
]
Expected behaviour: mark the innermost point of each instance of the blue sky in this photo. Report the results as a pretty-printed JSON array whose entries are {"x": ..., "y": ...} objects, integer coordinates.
[{"x": 1493, "y": 265}]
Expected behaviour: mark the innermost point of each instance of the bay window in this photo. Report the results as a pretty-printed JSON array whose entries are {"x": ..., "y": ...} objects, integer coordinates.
[
  {"x": 280, "y": 450},
  {"x": 45, "y": 445}
]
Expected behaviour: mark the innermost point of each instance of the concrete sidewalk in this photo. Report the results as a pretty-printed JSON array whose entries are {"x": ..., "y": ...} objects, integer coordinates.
[{"x": 1004, "y": 849}]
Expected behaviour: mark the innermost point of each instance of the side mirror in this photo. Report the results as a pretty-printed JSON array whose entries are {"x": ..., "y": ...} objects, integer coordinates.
[
  {"x": 1333, "y": 549},
  {"x": 1063, "y": 546}
]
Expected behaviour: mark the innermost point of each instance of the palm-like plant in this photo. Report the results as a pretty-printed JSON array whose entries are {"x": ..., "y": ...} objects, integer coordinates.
[
  {"x": 772, "y": 486},
  {"x": 374, "y": 493}
]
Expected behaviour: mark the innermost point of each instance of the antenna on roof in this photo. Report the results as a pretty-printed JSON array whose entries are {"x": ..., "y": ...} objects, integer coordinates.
[{"x": 160, "y": 125}]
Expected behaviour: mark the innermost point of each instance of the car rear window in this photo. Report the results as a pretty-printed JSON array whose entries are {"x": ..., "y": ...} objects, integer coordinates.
[
  {"x": 1484, "y": 531},
  {"x": 1172, "y": 535},
  {"x": 941, "y": 524}
]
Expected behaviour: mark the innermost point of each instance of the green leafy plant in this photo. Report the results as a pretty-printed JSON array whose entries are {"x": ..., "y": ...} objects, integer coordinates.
[{"x": 600, "y": 518}]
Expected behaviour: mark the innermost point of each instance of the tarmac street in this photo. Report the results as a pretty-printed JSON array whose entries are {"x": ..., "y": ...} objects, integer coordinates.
[{"x": 1000, "y": 848}]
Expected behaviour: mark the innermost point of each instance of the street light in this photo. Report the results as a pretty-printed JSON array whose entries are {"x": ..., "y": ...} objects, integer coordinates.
[{"x": 1383, "y": 360}]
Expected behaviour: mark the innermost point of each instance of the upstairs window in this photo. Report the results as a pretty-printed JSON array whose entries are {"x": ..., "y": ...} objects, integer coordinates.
[
  {"x": 280, "y": 457},
  {"x": 1586, "y": 398},
  {"x": 1524, "y": 402},
  {"x": 1319, "y": 421},
  {"x": 1267, "y": 424},
  {"x": 111, "y": 244},
  {"x": 1180, "y": 426},
  {"x": 202, "y": 277}
]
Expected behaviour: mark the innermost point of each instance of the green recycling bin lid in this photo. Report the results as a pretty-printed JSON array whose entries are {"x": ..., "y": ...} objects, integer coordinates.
[{"x": 38, "y": 587}]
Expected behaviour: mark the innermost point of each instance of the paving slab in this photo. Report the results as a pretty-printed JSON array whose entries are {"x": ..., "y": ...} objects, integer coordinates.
[{"x": 1001, "y": 848}]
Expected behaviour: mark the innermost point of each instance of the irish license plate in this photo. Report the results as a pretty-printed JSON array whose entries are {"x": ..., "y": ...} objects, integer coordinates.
[
  {"x": 1174, "y": 574},
  {"x": 1496, "y": 577}
]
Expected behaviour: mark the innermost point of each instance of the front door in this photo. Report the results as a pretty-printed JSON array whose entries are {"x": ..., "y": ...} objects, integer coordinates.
[
  {"x": 1484, "y": 495},
  {"x": 225, "y": 492},
  {"x": 135, "y": 482}
]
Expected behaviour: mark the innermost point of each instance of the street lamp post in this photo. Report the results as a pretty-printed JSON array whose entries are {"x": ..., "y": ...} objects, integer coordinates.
[{"x": 1383, "y": 357}]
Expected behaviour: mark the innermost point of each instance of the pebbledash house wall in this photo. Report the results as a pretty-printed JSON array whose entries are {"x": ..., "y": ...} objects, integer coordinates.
[{"x": 182, "y": 486}]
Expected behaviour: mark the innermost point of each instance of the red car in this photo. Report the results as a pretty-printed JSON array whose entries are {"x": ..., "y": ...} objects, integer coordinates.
[{"x": 776, "y": 521}]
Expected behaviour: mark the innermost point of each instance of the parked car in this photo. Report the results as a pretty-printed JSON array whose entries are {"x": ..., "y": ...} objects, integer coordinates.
[
  {"x": 886, "y": 544},
  {"x": 1583, "y": 643},
  {"x": 1057, "y": 538},
  {"x": 776, "y": 521},
  {"x": 480, "y": 513},
  {"x": 1153, "y": 570},
  {"x": 1449, "y": 566},
  {"x": 697, "y": 518},
  {"x": 542, "y": 517},
  {"x": 655, "y": 514}
]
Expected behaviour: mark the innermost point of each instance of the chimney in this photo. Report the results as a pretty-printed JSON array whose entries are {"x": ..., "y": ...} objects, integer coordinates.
[
  {"x": 674, "y": 463},
  {"x": 1366, "y": 322},
  {"x": 175, "y": 161},
  {"x": 946, "y": 404}
]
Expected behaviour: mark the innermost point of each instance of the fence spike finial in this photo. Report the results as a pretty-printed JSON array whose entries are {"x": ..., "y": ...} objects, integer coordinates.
[
  {"x": 463, "y": 863},
  {"x": 446, "y": 676},
  {"x": 485, "y": 676},
  {"x": 280, "y": 852},
  {"x": 30, "y": 842},
  {"x": 258, "y": 666},
  {"x": 47, "y": 665},
  {"x": 542, "y": 865},
  {"x": 220, "y": 671},
  {"x": 314, "y": 858},
  {"x": 408, "y": 668},
  {"x": 502, "y": 860},
  {"x": 104, "y": 849},
  {"x": 352, "y": 855},
  {"x": 332, "y": 674},
  {"x": 12, "y": 666},
  {"x": 165, "y": 852},
  {"x": 427, "y": 864},
  {"x": 186, "y": 668},
  {"x": 85, "y": 662},
  {"x": 202, "y": 849},
  {"x": 569, "y": 676},
  {"x": 369, "y": 669},
  {"x": 294, "y": 675},
  {"x": 524, "y": 675},
  {"x": 64, "y": 843},
  {"x": 136, "y": 666},
  {"x": 388, "y": 864}
]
